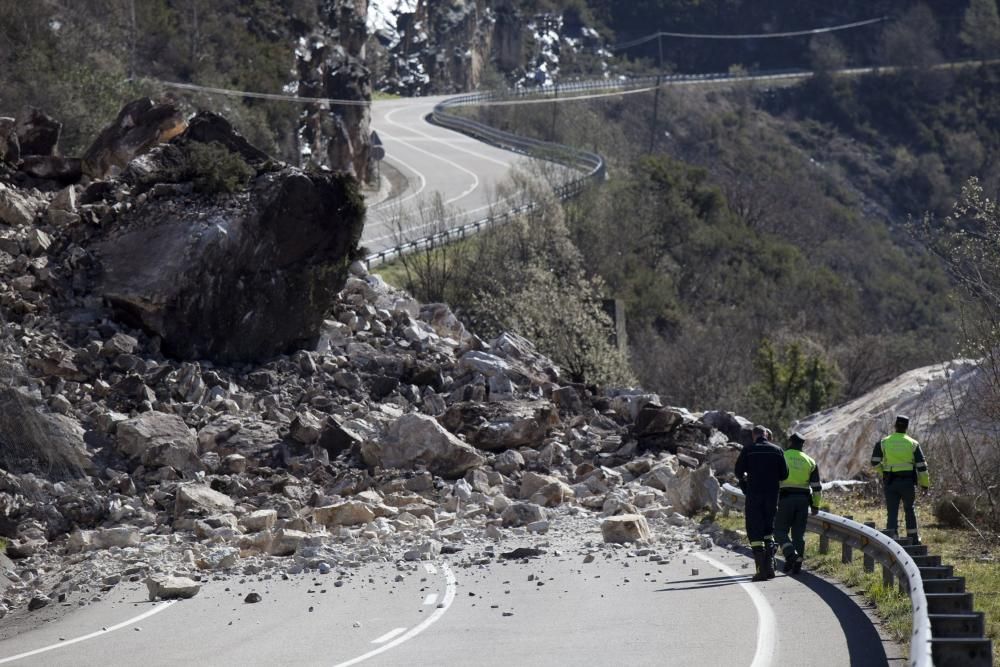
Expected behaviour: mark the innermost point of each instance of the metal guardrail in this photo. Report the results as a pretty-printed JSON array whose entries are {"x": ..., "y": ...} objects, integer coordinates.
[{"x": 880, "y": 547}]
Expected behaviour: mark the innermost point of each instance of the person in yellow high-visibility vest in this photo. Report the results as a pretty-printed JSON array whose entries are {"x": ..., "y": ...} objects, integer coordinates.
[
  {"x": 799, "y": 494},
  {"x": 903, "y": 466}
]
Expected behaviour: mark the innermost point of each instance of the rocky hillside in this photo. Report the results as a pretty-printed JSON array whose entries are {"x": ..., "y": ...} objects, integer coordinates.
[
  {"x": 191, "y": 382},
  {"x": 436, "y": 46}
]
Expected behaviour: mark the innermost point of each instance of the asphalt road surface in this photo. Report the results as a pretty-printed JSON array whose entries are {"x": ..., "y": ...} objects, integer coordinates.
[
  {"x": 620, "y": 609},
  {"x": 433, "y": 160}
]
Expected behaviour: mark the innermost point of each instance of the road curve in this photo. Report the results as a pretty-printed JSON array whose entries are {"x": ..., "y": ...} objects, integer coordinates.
[{"x": 433, "y": 160}]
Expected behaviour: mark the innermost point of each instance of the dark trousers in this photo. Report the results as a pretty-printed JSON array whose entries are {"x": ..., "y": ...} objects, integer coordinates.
[
  {"x": 900, "y": 489},
  {"x": 759, "y": 511},
  {"x": 793, "y": 511}
]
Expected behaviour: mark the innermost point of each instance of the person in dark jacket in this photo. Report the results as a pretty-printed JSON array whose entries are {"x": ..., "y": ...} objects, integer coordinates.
[{"x": 760, "y": 468}]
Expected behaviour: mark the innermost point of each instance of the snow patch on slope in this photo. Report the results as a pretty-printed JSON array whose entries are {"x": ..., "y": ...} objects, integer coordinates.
[{"x": 382, "y": 16}]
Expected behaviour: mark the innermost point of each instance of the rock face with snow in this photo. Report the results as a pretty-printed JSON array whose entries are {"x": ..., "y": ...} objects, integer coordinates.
[
  {"x": 330, "y": 63},
  {"x": 841, "y": 438},
  {"x": 438, "y": 46}
]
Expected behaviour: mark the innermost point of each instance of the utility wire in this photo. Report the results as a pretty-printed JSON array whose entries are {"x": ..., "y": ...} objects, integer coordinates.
[
  {"x": 765, "y": 35},
  {"x": 262, "y": 96}
]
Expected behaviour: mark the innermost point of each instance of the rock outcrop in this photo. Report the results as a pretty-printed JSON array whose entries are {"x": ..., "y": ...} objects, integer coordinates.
[
  {"x": 934, "y": 397},
  {"x": 330, "y": 63}
]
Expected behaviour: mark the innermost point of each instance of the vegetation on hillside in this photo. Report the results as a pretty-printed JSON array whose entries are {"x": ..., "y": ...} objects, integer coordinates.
[{"x": 81, "y": 62}]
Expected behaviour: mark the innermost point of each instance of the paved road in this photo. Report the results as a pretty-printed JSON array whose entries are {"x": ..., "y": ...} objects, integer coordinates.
[
  {"x": 432, "y": 159},
  {"x": 555, "y": 610}
]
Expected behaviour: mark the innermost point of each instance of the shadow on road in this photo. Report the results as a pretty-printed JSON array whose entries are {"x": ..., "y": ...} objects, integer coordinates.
[{"x": 864, "y": 644}]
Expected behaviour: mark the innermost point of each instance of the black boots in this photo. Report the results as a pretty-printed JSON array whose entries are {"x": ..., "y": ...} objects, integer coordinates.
[
  {"x": 764, "y": 561},
  {"x": 797, "y": 564},
  {"x": 790, "y": 556}
]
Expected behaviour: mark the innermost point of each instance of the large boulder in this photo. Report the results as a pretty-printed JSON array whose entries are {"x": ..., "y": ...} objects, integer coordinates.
[
  {"x": 140, "y": 126},
  {"x": 500, "y": 426},
  {"x": 32, "y": 440},
  {"x": 234, "y": 278},
  {"x": 159, "y": 439},
  {"x": 419, "y": 440},
  {"x": 37, "y": 132},
  {"x": 687, "y": 490}
]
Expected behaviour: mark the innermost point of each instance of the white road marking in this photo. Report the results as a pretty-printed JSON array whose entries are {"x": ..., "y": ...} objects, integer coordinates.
[
  {"x": 400, "y": 200},
  {"x": 502, "y": 163},
  {"x": 389, "y": 635},
  {"x": 766, "y": 624},
  {"x": 146, "y": 614},
  {"x": 475, "y": 177},
  {"x": 429, "y": 567},
  {"x": 449, "y": 597},
  {"x": 431, "y": 598}
]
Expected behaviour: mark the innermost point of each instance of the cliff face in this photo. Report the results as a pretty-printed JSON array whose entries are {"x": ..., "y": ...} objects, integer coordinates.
[
  {"x": 330, "y": 63},
  {"x": 445, "y": 46}
]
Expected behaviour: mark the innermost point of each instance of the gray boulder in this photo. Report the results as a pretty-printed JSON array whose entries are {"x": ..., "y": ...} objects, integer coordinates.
[
  {"x": 159, "y": 439},
  {"x": 419, "y": 440},
  {"x": 32, "y": 440},
  {"x": 165, "y": 587}
]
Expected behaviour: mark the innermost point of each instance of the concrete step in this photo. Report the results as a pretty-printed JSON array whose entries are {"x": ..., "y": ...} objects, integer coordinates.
[
  {"x": 936, "y": 571},
  {"x": 962, "y": 652},
  {"x": 945, "y": 585},
  {"x": 950, "y": 626},
  {"x": 927, "y": 561},
  {"x": 949, "y": 603}
]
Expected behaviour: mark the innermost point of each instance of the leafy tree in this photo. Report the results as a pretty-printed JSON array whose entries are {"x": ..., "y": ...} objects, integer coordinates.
[
  {"x": 527, "y": 276},
  {"x": 981, "y": 28},
  {"x": 793, "y": 380}
]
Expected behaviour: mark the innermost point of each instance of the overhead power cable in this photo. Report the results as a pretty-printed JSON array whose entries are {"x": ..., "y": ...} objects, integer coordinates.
[
  {"x": 261, "y": 96},
  {"x": 764, "y": 35}
]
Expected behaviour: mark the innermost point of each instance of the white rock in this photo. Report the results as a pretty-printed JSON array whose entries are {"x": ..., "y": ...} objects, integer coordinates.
[
  {"x": 625, "y": 528},
  {"x": 167, "y": 587}
]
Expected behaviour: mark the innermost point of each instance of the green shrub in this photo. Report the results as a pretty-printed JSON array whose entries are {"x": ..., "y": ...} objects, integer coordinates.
[{"x": 214, "y": 168}]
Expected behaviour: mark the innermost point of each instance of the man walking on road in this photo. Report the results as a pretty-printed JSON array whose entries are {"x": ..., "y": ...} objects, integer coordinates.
[
  {"x": 759, "y": 470},
  {"x": 901, "y": 461},
  {"x": 799, "y": 494}
]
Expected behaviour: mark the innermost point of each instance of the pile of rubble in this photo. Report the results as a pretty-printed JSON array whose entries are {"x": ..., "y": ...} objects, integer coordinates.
[{"x": 393, "y": 434}]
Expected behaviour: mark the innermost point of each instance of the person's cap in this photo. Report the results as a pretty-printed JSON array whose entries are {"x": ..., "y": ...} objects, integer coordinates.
[
  {"x": 759, "y": 430},
  {"x": 795, "y": 439},
  {"x": 902, "y": 421}
]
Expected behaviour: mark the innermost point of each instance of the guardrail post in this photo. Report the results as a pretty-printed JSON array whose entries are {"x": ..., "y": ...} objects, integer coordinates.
[
  {"x": 886, "y": 577},
  {"x": 869, "y": 562},
  {"x": 846, "y": 551},
  {"x": 824, "y": 543}
]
